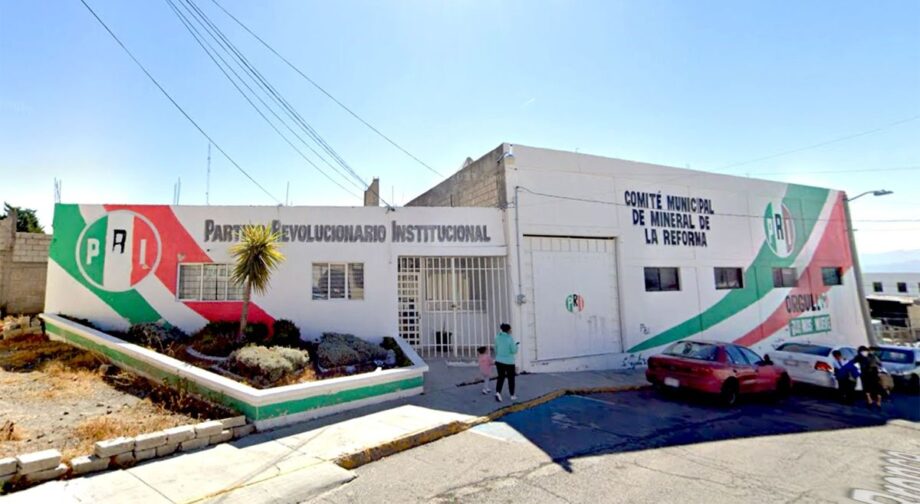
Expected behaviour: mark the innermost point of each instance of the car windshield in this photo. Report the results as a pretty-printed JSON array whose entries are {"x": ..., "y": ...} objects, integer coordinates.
[
  {"x": 692, "y": 350},
  {"x": 805, "y": 348},
  {"x": 894, "y": 356}
]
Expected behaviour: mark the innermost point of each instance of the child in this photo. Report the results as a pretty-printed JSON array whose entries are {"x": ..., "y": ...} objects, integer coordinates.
[{"x": 485, "y": 367}]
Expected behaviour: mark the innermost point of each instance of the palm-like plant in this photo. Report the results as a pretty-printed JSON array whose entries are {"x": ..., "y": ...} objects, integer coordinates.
[{"x": 256, "y": 256}]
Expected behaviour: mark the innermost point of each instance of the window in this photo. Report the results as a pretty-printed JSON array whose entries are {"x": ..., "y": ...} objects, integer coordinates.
[
  {"x": 662, "y": 279},
  {"x": 735, "y": 355},
  {"x": 832, "y": 276},
  {"x": 338, "y": 281},
  {"x": 729, "y": 278},
  {"x": 784, "y": 277},
  {"x": 693, "y": 350},
  {"x": 805, "y": 348},
  {"x": 750, "y": 355},
  {"x": 876, "y": 286},
  {"x": 893, "y": 356},
  {"x": 847, "y": 353},
  {"x": 207, "y": 282},
  {"x": 902, "y": 286}
]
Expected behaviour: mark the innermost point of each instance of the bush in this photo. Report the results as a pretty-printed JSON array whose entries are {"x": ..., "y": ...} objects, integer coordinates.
[
  {"x": 155, "y": 335},
  {"x": 221, "y": 338},
  {"x": 401, "y": 359},
  {"x": 286, "y": 334},
  {"x": 336, "y": 350},
  {"x": 266, "y": 366},
  {"x": 256, "y": 333},
  {"x": 81, "y": 321}
]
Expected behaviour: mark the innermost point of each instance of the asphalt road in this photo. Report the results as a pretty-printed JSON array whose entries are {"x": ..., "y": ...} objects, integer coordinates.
[{"x": 643, "y": 447}]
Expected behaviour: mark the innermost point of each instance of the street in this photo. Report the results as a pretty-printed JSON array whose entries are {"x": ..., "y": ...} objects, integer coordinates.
[{"x": 642, "y": 447}]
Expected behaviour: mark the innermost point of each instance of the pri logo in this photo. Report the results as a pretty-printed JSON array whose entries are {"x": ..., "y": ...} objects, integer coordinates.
[
  {"x": 118, "y": 250},
  {"x": 779, "y": 226},
  {"x": 574, "y": 302}
]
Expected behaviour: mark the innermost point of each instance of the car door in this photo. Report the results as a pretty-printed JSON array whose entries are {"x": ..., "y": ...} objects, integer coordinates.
[
  {"x": 742, "y": 370},
  {"x": 765, "y": 374}
]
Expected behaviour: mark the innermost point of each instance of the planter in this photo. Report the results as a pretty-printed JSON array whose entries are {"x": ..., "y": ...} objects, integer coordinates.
[{"x": 266, "y": 408}]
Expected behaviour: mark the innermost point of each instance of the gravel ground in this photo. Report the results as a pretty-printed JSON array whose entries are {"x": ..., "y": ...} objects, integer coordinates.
[{"x": 59, "y": 397}]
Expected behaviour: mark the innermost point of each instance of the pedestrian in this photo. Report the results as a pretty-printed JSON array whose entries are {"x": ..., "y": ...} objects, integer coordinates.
[
  {"x": 485, "y": 367},
  {"x": 870, "y": 371},
  {"x": 505, "y": 350},
  {"x": 846, "y": 374}
]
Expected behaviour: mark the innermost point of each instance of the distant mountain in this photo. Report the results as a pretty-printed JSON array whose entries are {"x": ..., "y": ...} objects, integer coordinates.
[{"x": 900, "y": 261}]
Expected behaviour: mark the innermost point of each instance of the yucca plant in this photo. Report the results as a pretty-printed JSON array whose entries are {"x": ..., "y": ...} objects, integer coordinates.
[{"x": 256, "y": 256}]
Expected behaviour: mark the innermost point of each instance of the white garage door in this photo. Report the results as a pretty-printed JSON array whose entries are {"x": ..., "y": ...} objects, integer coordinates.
[{"x": 575, "y": 311}]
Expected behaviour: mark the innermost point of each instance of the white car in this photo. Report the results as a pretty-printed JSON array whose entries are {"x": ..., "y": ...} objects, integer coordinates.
[{"x": 811, "y": 363}]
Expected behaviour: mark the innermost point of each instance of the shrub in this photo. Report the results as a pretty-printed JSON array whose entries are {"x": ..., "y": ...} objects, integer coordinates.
[
  {"x": 267, "y": 366},
  {"x": 256, "y": 333},
  {"x": 336, "y": 350},
  {"x": 286, "y": 334},
  {"x": 155, "y": 335},
  {"x": 390, "y": 344},
  {"x": 220, "y": 338},
  {"x": 81, "y": 321}
]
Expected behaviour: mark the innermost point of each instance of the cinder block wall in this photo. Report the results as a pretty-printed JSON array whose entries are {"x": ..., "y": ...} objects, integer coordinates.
[
  {"x": 480, "y": 184},
  {"x": 23, "y": 269}
]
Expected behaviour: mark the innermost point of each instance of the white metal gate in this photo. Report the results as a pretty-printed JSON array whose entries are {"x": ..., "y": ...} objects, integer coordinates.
[{"x": 449, "y": 306}]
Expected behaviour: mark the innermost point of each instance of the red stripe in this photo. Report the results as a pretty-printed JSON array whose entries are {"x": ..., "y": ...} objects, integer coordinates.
[
  {"x": 179, "y": 246},
  {"x": 833, "y": 250}
]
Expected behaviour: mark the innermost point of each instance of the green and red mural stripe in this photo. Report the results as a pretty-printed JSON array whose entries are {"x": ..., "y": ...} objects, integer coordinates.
[{"x": 758, "y": 279}]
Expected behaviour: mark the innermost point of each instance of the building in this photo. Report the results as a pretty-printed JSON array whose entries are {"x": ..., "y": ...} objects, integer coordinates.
[
  {"x": 597, "y": 263},
  {"x": 23, "y": 263},
  {"x": 892, "y": 284}
]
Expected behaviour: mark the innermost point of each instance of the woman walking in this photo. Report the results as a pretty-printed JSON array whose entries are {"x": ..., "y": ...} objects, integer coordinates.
[
  {"x": 870, "y": 372},
  {"x": 505, "y": 350}
]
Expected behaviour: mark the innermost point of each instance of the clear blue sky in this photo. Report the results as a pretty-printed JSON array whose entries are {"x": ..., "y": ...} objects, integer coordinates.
[{"x": 702, "y": 84}]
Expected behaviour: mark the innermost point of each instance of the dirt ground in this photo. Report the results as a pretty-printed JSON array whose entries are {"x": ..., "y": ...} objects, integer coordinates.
[{"x": 53, "y": 395}]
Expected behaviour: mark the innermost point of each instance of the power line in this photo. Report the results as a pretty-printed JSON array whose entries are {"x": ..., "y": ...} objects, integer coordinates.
[
  {"x": 262, "y": 83},
  {"x": 860, "y": 170},
  {"x": 614, "y": 203},
  {"x": 175, "y": 104},
  {"x": 211, "y": 52},
  {"x": 821, "y": 144},
  {"x": 322, "y": 90}
]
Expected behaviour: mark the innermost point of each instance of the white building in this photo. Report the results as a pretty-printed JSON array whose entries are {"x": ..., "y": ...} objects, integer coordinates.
[
  {"x": 596, "y": 262},
  {"x": 892, "y": 284}
]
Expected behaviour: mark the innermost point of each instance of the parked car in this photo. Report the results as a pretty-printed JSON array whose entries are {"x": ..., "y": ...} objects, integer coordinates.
[
  {"x": 811, "y": 363},
  {"x": 719, "y": 368},
  {"x": 902, "y": 363}
]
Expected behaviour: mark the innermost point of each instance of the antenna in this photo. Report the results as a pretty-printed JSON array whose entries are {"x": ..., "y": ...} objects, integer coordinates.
[
  {"x": 57, "y": 190},
  {"x": 177, "y": 190},
  {"x": 207, "y": 183},
  {"x": 287, "y": 194}
]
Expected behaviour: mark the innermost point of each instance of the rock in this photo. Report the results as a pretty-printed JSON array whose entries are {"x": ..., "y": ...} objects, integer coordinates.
[
  {"x": 245, "y": 430},
  {"x": 208, "y": 429},
  {"x": 87, "y": 464},
  {"x": 237, "y": 421},
  {"x": 112, "y": 447},
  {"x": 8, "y": 465},
  {"x": 193, "y": 444},
  {"x": 140, "y": 455},
  {"x": 38, "y": 461},
  {"x": 148, "y": 441},
  {"x": 165, "y": 450},
  {"x": 124, "y": 459},
  {"x": 223, "y": 437},
  {"x": 47, "y": 475},
  {"x": 179, "y": 434}
]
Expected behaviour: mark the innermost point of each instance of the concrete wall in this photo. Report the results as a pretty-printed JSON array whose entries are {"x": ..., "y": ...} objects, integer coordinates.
[
  {"x": 480, "y": 184},
  {"x": 23, "y": 269}
]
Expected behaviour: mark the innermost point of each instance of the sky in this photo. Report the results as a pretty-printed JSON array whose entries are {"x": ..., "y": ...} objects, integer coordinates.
[{"x": 710, "y": 85}]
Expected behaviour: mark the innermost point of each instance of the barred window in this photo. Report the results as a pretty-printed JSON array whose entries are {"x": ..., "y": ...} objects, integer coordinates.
[
  {"x": 729, "y": 278},
  {"x": 338, "y": 281},
  {"x": 207, "y": 282}
]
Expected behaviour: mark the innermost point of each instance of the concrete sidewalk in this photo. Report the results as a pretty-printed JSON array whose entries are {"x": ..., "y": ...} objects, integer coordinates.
[{"x": 296, "y": 463}]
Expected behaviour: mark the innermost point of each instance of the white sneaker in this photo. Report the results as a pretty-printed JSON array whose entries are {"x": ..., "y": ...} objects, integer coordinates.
[
  {"x": 498, "y": 396},
  {"x": 514, "y": 398},
  {"x": 485, "y": 391}
]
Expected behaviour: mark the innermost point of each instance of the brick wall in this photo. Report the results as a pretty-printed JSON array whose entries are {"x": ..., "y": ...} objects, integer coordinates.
[
  {"x": 23, "y": 269},
  {"x": 480, "y": 184}
]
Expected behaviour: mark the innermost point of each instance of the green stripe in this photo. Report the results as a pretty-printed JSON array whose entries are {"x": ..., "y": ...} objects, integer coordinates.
[
  {"x": 251, "y": 411},
  {"x": 805, "y": 203},
  {"x": 94, "y": 266},
  {"x": 68, "y": 224}
]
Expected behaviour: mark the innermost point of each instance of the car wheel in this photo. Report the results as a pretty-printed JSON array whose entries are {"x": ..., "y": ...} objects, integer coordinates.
[
  {"x": 729, "y": 394},
  {"x": 783, "y": 387}
]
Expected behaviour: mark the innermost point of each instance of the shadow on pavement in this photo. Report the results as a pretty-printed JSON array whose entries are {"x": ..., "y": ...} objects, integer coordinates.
[{"x": 573, "y": 426}]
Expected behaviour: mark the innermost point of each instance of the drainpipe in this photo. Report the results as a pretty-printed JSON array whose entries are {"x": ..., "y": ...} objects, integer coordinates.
[
  {"x": 857, "y": 273},
  {"x": 517, "y": 242}
]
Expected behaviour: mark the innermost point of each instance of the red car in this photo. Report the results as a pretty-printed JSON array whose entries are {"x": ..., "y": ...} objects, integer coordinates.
[{"x": 715, "y": 367}]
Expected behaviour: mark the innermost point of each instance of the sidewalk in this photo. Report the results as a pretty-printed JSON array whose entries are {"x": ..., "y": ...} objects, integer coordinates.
[{"x": 296, "y": 463}]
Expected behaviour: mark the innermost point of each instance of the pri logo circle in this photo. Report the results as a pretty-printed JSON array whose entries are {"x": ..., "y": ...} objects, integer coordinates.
[
  {"x": 118, "y": 250},
  {"x": 574, "y": 302},
  {"x": 779, "y": 226}
]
